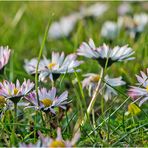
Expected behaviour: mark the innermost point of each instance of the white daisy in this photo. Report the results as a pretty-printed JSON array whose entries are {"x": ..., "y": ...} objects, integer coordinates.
[
  {"x": 110, "y": 30},
  {"x": 94, "y": 10},
  {"x": 48, "y": 100},
  {"x": 140, "y": 92},
  {"x": 15, "y": 92},
  {"x": 64, "y": 27},
  {"x": 54, "y": 67},
  {"x": 124, "y": 8},
  {"x": 30, "y": 65},
  {"x": 107, "y": 88},
  {"x": 134, "y": 25},
  {"x": 104, "y": 53}
]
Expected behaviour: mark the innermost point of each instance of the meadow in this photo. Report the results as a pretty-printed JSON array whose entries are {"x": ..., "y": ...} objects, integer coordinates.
[{"x": 94, "y": 91}]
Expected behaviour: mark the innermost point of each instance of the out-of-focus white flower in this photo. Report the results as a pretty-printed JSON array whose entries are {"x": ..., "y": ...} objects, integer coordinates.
[
  {"x": 15, "y": 92},
  {"x": 48, "y": 99},
  {"x": 104, "y": 54},
  {"x": 134, "y": 25},
  {"x": 52, "y": 143},
  {"x": 54, "y": 67},
  {"x": 140, "y": 91},
  {"x": 4, "y": 56},
  {"x": 30, "y": 66},
  {"x": 124, "y": 8},
  {"x": 64, "y": 27},
  {"x": 94, "y": 10},
  {"x": 110, "y": 30},
  {"x": 141, "y": 20},
  {"x": 91, "y": 81}
]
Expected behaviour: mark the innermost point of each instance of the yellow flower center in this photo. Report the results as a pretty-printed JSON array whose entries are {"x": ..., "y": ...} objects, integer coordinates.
[
  {"x": 16, "y": 91},
  {"x": 95, "y": 78},
  {"x": 147, "y": 88},
  {"x": 2, "y": 101},
  {"x": 47, "y": 102},
  {"x": 57, "y": 143},
  {"x": 51, "y": 65}
]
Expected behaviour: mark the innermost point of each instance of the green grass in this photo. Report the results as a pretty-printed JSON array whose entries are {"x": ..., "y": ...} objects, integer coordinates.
[{"x": 24, "y": 36}]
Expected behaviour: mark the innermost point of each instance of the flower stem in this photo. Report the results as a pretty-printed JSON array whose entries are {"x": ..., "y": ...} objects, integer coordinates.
[
  {"x": 52, "y": 83},
  {"x": 102, "y": 105},
  {"x": 93, "y": 100},
  {"x": 14, "y": 140},
  {"x": 15, "y": 112}
]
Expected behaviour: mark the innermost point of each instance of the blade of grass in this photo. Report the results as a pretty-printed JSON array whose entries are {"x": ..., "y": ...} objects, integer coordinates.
[
  {"x": 39, "y": 58},
  {"x": 124, "y": 136},
  {"x": 110, "y": 115}
]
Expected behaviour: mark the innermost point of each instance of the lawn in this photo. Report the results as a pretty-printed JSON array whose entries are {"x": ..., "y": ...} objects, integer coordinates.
[{"x": 116, "y": 121}]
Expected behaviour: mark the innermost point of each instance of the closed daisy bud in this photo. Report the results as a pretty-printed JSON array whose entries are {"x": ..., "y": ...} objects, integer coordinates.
[
  {"x": 4, "y": 56},
  {"x": 133, "y": 109}
]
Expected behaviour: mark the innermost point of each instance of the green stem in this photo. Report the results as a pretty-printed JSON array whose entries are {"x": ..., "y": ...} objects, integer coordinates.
[
  {"x": 39, "y": 57},
  {"x": 52, "y": 83},
  {"x": 105, "y": 120},
  {"x": 102, "y": 104},
  {"x": 14, "y": 140},
  {"x": 15, "y": 116}
]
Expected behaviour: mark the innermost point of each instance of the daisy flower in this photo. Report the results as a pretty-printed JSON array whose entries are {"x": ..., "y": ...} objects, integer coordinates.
[
  {"x": 48, "y": 99},
  {"x": 140, "y": 92},
  {"x": 134, "y": 25},
  {"x": 110, "y": 30},
  {"x": 104, "y": 54},
  {"x": 63, "y": 27},
  {"x": 94, "y": 10},
  {"x": 124, "y": 8},
  {"x": 15, "y": 92},
  {"x": 30, "y": 66},
  {"x": 4, "y": 56},
  {"x": 51, "y": 143},
  {"x": 110, "y": 83},
  {"x": 54, "y": 67},
  {"x": 91, "y": 80}
]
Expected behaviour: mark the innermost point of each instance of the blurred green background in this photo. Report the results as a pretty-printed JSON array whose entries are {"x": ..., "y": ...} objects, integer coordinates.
[{"x": 22, "y": 26}]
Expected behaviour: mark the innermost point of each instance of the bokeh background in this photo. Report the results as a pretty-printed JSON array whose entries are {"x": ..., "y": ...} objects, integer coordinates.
[{"x": 22, "y": 26}]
